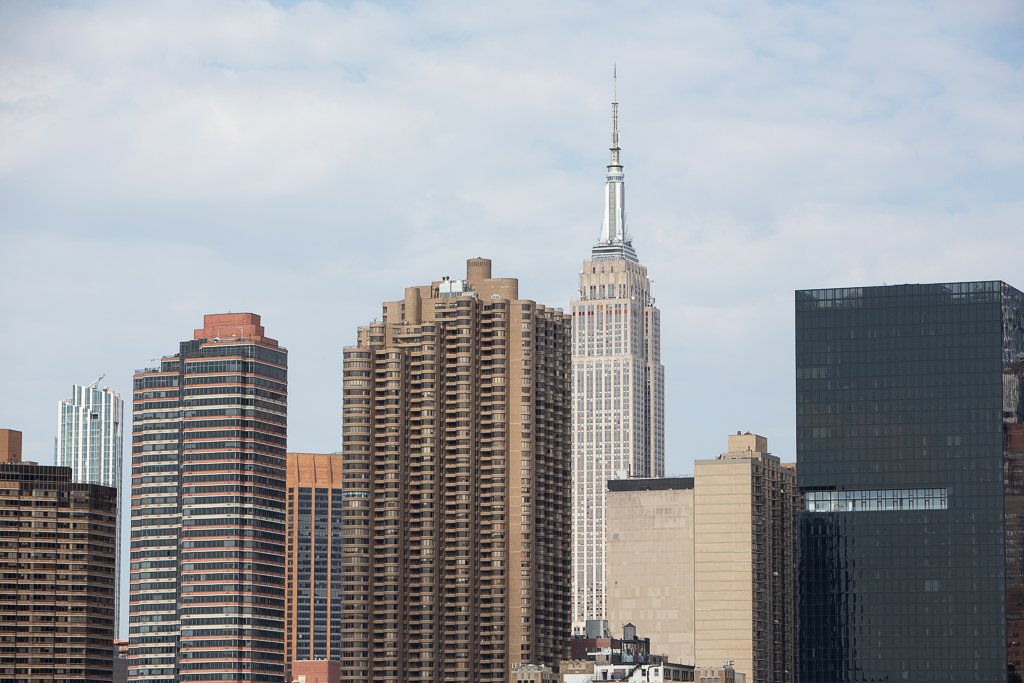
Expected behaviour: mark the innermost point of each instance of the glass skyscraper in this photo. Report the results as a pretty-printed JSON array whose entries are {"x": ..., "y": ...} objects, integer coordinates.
[
  {"x": 313, "y": 566},
  {"x": 910, "y": 454}
]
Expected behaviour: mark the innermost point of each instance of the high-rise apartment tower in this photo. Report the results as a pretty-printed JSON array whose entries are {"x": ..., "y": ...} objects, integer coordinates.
[
  {"x": 910, "y": 451},
  {"x": 456, "y": 477},
  {"x": 618, "y": 387},
  {"x": 208, "y": 508},
  {"x": 313, "y": 602},
  {"x": 57, "y": 578},
  {"x": 747, "y": 508},
  {"x": 90, "y": 442}
]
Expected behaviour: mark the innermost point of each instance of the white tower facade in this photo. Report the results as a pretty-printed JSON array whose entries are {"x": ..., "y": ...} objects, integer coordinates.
[
  {"x": 89, "y": 435},
  {"x": 618, "y": 387}
]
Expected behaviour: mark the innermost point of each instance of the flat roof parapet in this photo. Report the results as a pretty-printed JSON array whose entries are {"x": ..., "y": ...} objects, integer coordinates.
[{"x": 659, "y": 484}]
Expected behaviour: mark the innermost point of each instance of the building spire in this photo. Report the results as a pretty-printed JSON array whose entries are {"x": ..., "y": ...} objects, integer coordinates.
[
  {"x": 615, "y": 242},
  {"x": 615, "y": 115}
]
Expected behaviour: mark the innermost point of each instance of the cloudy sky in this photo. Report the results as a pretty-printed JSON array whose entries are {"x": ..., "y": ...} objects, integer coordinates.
[{"x": 307, "y": 160}]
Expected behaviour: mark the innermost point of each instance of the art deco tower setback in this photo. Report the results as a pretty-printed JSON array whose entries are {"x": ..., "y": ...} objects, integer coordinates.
[
  {"x": 618, "y": 387},
  {"x": 456, "y": 474},
  {"x": 208, "y": 508}
]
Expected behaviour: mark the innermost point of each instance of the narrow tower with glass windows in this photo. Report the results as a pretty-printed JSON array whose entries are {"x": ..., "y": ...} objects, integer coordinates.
[
  {"x": 618, "y": 387},
  {"x": 313, "y": 562}
]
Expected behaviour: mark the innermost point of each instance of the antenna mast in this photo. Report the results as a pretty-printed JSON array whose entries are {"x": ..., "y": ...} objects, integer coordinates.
[{"x": 615, "y": 115}]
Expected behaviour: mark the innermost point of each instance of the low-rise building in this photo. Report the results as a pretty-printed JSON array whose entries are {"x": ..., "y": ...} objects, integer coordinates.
[
  {"x": 599, "y": 657},
  {"x": 315, "y": 671},
  {"x": 723, "y": 673},
  {"x": 533, "y": 673},
  {"x": 647, "y": 673}
]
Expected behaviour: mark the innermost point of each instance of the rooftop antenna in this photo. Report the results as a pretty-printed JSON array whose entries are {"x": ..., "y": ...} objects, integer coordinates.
[{"x": 615, "y": 114}]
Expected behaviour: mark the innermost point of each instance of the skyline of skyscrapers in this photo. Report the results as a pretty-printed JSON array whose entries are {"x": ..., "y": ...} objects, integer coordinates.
[
  {"x": 920, "y": 382},
  {"x": 208, "y": 508},
  {"x": 618, "y": 387},
  {"x": 456, "y": 461},
  {"x": 911, "y": 458},
  {"x": 442, "y": 551}
]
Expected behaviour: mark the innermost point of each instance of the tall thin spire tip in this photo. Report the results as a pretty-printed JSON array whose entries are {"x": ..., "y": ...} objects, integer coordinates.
[{"x": 615, "y": 114}]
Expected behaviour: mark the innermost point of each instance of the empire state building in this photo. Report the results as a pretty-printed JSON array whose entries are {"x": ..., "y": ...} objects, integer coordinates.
[{"x": 618, "y": 387}]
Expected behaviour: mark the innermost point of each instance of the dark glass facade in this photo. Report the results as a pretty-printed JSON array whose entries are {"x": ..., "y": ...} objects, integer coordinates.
[
  {"x": 318, "y": 608},
  {"x": 908, "y": 401},
  {"x": 314, "y": 558}
]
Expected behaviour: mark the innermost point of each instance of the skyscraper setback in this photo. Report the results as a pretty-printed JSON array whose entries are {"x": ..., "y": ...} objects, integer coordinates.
[
  {"x": 456, "y": 474},
  {"x": 618, "y": 387},
  {"x": 208, "y": 508},
  {"x": 911, "y": 458}
]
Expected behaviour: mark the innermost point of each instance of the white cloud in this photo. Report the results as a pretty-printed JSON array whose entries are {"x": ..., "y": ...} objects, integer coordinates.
[{"x": 165, "y": 160}]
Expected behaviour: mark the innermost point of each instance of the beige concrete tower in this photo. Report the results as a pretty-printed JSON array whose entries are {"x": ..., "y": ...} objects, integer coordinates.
[
  {"x": 746, "y": 507},
  {"x": 618, "y": 388},
  {"x": 651, "y": 562},
  {"x": 456, "y": 458}
]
